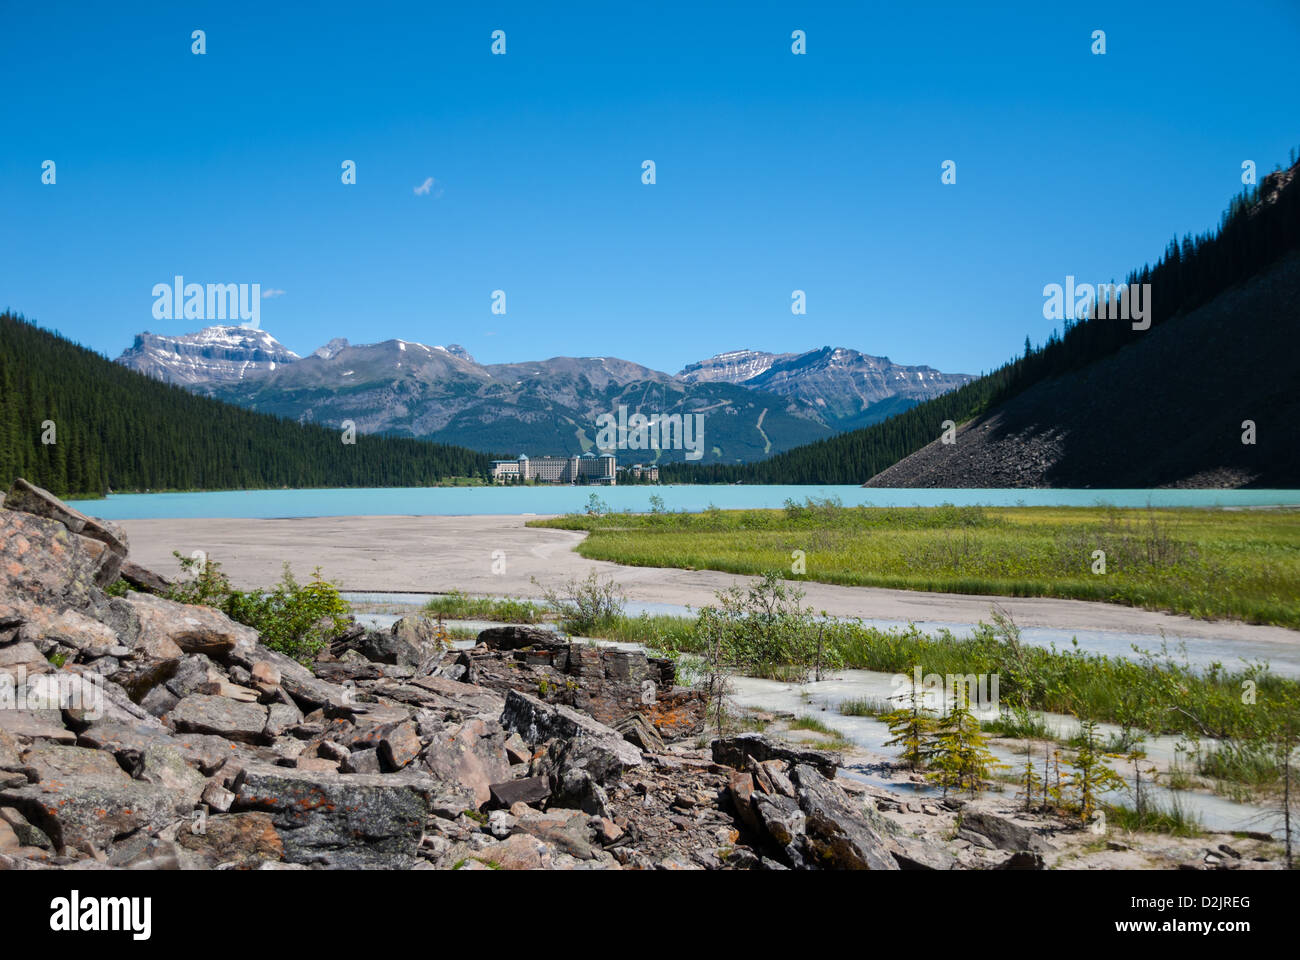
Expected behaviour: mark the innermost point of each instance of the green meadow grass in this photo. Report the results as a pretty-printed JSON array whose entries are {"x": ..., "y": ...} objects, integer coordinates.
[
  {"x": 1171, "y": 818},
  {"x": 1242, "y": 564},
  {"x": 460, "y": 606}
]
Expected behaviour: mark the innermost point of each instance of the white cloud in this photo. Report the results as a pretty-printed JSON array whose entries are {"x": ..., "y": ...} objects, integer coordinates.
[
  {"x": 430, "y": 187},
  {"x": 272, "y": 294}
]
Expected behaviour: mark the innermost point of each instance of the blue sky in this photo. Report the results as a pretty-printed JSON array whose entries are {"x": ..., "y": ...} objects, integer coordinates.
[{"x": 775, "y": 172}]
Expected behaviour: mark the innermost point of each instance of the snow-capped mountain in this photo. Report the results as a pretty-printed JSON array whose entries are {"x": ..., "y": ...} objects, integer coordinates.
[
  {"x": 845, "y": 385},
  {"x": 734, "y": 366},
  {"x": 213, "y": 355},
  {"x": 757, "y": 403}
]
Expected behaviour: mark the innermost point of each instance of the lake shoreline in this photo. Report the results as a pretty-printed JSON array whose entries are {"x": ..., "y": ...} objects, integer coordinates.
[{"x": 563, "y": 498}]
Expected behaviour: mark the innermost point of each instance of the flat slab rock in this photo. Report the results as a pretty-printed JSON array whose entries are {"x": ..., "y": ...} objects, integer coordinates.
[
  {"x": 476, "y": 697},
  {"x": 42, "y": 724},
  {"x": 537, "y": 721},
  {"x": 85, "y": 801},
  {"x": 524, "y": 790},
  {"x": 144, "y": 579},
  {"x": 168, "y": 629},
  {"x": 129, "y": 741},
  {"x": 340, "y": 820},
  {"x": 58, "y": 763},
  {"x": 515, "y": 637},
  {"x": 736, "y": 750},
  {"x": 220, "y": 716}
]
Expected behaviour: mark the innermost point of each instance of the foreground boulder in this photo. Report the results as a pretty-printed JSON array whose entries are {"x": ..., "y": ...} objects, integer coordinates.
[
  {"x": 220, "y": 716},
  {"x": 738, "y": 750},
  {"x": 52, "y": 630},
  {"x": 83, "y": 800},
  {"x": 169, "y": 629},
  {"x": 104, "y": 542},
  {"x": 239, "y": 840},
  {"x": 1003, "y": 832},
  {"x": 836, "y": 834},
  {"x": 362, "y": 820},
  {"x": 42, "y": 562},
  {"x": 537, "y": 721},
  {"x": 130, "y": 742},
  {"x": 471, "y": 754}
]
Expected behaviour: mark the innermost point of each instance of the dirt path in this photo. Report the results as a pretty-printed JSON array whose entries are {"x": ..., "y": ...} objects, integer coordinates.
[{"x": 429, "y": 554}]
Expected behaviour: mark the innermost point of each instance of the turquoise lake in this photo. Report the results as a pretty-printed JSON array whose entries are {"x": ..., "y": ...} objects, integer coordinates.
[{"x": 461, "y": 501}]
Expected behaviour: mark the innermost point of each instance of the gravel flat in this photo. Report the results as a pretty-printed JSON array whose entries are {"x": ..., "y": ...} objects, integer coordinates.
[{"x": 437, "y": 554}]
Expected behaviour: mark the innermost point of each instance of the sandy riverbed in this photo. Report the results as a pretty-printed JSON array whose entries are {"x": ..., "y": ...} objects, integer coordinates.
[{"x": 435, "y": 554}]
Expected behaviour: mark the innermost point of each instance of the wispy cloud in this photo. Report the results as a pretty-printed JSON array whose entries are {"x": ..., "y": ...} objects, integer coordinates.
[
  {"x": 272, "y": 294},
  {"x": 430, "y": 187}
]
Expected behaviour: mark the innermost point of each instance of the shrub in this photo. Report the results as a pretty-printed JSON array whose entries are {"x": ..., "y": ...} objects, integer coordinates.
[
  {"x": 295, "y": 619},
  {"x": 1172, "y": 818},
  {"x": 585, "y": 604},
  {"x": 766, "y": 628},
  {"x": 201, "y": 581}
]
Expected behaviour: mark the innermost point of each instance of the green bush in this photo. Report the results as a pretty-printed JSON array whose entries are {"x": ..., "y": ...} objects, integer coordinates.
[
  {"x": 295, "y": 619},
  {"x": 766, "y": 630},
  {"x": 585, "y": 605}
]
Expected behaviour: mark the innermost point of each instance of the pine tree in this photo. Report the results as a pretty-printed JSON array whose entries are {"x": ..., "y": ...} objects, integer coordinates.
[
  {"x": 1251, "y": 235},
  {"x": 1030, "y": 781},
  {"x": 958, "y": 757},
  {"x": 1090, "y": 775},
  {"x": 912, "y": 727},
  {"x": 1285, "y": 743}
]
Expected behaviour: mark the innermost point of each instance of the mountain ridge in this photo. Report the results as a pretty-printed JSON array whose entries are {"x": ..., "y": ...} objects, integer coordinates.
[{"x": 441, "y": 393}]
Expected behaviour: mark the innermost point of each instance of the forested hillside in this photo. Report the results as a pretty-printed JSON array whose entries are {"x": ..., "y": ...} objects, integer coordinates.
[
  {"x": 118, "y": 430},
  {"x": 1168, "y": 411},
  {"x": 1259, "y": 226}
]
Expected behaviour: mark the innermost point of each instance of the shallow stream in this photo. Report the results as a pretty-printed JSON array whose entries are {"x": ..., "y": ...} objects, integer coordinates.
[{"x": 822, "y": 699}]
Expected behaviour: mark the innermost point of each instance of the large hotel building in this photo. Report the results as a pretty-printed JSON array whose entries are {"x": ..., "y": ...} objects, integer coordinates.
[{"x": 588, "y": 468}]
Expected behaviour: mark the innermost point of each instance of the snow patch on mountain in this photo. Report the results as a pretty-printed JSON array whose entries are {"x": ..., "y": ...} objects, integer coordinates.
[{"x": 214, "y": 354}]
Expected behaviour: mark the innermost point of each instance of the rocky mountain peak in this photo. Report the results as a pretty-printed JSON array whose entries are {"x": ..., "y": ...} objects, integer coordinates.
[
  {"x": 214, "y": 354},
  {"x": 331, "y": 349},
  {"x": 734, "y": 366}
]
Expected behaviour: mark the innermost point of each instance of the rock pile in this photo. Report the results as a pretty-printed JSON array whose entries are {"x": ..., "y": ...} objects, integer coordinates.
[{"x": 137, "y": 732}]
